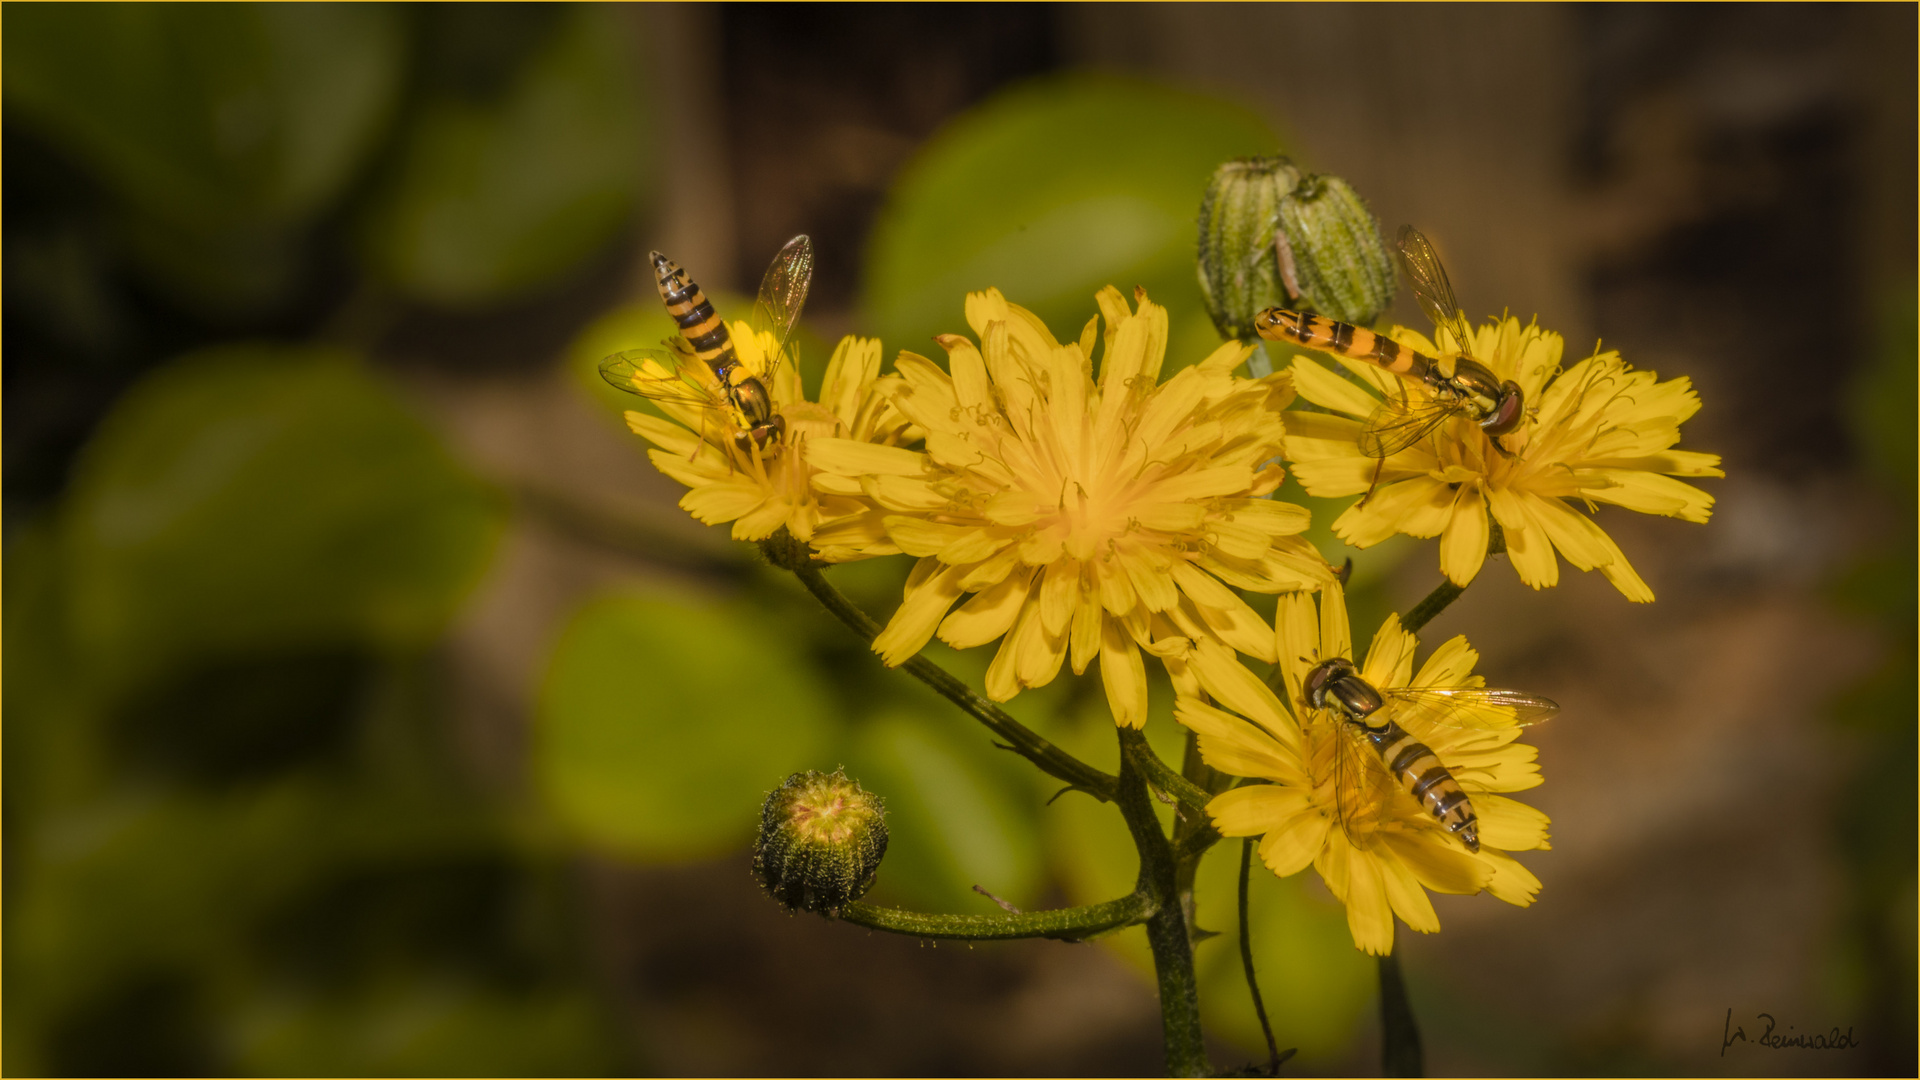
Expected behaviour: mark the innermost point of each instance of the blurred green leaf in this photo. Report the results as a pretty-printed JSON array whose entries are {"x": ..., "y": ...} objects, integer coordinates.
[
  {"x": 956, "y": 818},
  {"x": 145, "y": 878},
  {"x": 1049, "y": 192},
  {"x": 427, "y": 1027},
  {"x": 221, "y": 128},
  {"x": 257, "y": 497},
  {"x": 492, "y": 199},
  {"x": 1880, "y": 397},
  {"x": 664, "y": 722}
]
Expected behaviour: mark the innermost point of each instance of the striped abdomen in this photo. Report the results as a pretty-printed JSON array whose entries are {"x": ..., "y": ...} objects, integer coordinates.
[
  {"x": 703, "y": 329},
  {"x": 1357, "y": 342},
  {"x": 1421, "y": 774}
]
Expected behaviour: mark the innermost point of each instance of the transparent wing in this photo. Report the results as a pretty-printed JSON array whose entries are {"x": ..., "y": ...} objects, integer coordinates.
[
  {"x": 783, "y": 292},
  {"x": 1470, "y": 707},
  {"x": 1431, "y": 287},
  {"x": 1400, "y": 422},
  {"x": 1363, "y": 788},
  {"x": 662, "y": 376}
]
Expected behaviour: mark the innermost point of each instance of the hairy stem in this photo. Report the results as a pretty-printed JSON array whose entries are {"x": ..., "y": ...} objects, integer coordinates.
[
  {"x": 1399, "y": 1036},
  {"x": 1167, "y": 927},
  {"x": 1437, "y": 600},
  {"x": 1017, "y": 737},
  {"x": 1062, "y": 924}
]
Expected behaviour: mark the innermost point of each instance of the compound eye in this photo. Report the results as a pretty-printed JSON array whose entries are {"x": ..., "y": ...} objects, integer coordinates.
[{"x": 1506, "y": 415}]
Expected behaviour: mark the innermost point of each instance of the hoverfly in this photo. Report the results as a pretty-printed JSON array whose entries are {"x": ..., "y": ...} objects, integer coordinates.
[
  {"x": 709, "y": 373},
  {"x": 1472, "y": 391},
  {"x": 1374, "y": 752}
]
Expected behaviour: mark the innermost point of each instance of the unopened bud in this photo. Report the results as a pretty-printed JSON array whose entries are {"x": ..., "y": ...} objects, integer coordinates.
[
  {"x": 1271, "y": 236},
  {"x": 1240, "y": 269},
  {"x": 821, "y": 842},
  {"x": 1340, "y": 259}
]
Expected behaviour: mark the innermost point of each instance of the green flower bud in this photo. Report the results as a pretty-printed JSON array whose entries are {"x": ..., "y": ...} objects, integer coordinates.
[
  {"x": 1271, "y": 236},
  {"x": 1240, "y": 273},
  {"x": 1340, "y": 260},
  {"x": 821, "y": 842}
]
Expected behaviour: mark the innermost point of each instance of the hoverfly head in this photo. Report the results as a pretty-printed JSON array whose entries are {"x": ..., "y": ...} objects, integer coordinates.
[
  {"x": 1316, "y": 685},
  {"x": 1507, "y": 412}
]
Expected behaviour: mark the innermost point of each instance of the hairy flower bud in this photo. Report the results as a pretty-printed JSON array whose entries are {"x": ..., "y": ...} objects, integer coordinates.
[
  {"x": 1340, "y": 259},
  {"x": 1271, "y": 236},
  {"x": 1240, "y": 271},
  {"x": 821, "y": 841}
]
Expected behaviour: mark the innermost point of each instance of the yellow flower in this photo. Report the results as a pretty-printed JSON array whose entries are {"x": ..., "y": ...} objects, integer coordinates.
[
  {"x": 1091, "y": 518},
  {"x": 761, "y": 493},
  {"x": 1380, "y": 871},
  {"x": 1598, "y": 432}
]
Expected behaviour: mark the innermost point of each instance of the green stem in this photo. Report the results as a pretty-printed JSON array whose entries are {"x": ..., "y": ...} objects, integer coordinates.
[
  {"x": 1246, "y": 961},
  {"x": 1167, "y": 927},
  {"x": 1062, "y": 924},
  {"x": 1437, "y": 600},
  {"x": 1018, "y": 737},
  {"x": 1399, "y": 1036},
  {"x": 1161, "y": 775}
]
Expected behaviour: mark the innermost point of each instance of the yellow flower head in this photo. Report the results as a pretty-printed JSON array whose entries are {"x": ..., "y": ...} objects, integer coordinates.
[
  {"x": 1088, "y": 517},
  {"x": 1598, "y": 432},
  {"x": 761, "y": 493},
  {"x": 1397, "y": 849}
]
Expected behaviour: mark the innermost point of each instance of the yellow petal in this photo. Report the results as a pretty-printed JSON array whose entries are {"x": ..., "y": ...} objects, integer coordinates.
[
  {"x": 1369, "y": 917},
  {"x": 715, "y": 503},
  {"x": 1440, "y": 865},
  {"x": 1463, "y": 546},
  {"x": 1527, "y": 546},
  {"x": 918, "y": 536},
  {"x": 1390, "y": 656},
  {"x": 851, "y": 457},
  {"x": 1230, "y": 683},
  {"x": 1291, "y": 848},
  {"x": 1336, "y": 638},
  {"x": 1124, "y": 675},
  {"x": 1649, "y": 493},
  {"x": 1510, "y": 825},
  {"x": 1511, "y": 881},
  {"x": 1057, "y": 594},
  {"x": 1329, "y": 391},
  {"x": 1296, "y": 640},
  {"x": 1450, "y": 664},
  {"x": 986, "y": 615},
  {"x": 1256, "y": 809},
  {"x": 1084, "y": 639},
  {"x": 1234, "y": 746},
  {"x": 914, "y": 620},
  {"x": 1419, "y": 506},
  {"x": 1407, "y": 898}
]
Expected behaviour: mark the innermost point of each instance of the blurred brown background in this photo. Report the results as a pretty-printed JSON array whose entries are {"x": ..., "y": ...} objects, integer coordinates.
[{"x": 1725, "y": 192}]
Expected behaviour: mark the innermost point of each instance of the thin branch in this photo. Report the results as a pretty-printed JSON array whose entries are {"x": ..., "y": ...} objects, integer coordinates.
[
  {"x": 1061, "y": 924},
  {"x": 1020, "y": 739},
  {"x": 1246, "y": 962}
]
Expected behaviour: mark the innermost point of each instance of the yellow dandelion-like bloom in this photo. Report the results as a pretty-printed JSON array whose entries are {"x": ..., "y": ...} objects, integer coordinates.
[
  {"x": 1401, "y": 850},
  {"x": 761, "y": 493},
  {"x": 1598, "y": 432},
  {"x": 1087, "y": 517}
]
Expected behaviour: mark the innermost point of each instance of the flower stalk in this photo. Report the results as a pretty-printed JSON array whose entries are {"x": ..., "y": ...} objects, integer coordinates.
[
  {"x": 1060, "y": 924},
  {"x": 783, "y": 551}
]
